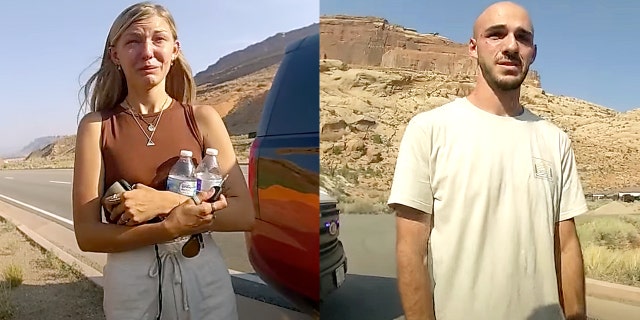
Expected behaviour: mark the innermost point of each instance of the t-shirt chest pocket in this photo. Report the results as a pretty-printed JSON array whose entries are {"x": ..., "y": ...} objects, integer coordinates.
[{"x": 543, "y": 179}]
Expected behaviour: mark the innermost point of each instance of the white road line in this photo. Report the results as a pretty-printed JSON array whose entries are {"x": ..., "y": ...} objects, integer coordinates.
[
  {"x": 60, "y": 182},
  {"x": 46, "y": 213},
  {"x": 9, "y": 178},
  {"x": 235, "y": 273},
  {"x": 246, "y": 276}
]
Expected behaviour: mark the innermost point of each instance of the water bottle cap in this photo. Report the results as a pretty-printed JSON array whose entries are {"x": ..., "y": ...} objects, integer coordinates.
[
  {"x": 212, "y": 151},
  {"x": 186, "y": 153}
]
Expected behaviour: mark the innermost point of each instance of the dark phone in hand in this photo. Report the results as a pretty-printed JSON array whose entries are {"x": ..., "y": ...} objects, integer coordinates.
[
  {"x": 218, "y": 189},
  {"x": 117, "y": 187},
  {"x": 125, "y": 184}
]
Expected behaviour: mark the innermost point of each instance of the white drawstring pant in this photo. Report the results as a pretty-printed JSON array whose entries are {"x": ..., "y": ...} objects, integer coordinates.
[{"x": 197, "y": 288}]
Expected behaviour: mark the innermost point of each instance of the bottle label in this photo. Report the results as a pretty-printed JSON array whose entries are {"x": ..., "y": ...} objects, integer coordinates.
[
  {"x": 184, "y": 187},
  {"x": 205, "y": 184}
]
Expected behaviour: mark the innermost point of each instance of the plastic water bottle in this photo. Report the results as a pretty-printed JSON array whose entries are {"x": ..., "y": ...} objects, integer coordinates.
[
  {"x": 208, "y": 171},
  {"x": 182, "y": 177}
]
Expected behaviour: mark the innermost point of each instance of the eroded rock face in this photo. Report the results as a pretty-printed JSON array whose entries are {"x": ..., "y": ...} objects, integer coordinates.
[
  {"x": 370, "y": 41},
  {"x": 239, "y": 101},
  {"x": 364, "y": 111}
]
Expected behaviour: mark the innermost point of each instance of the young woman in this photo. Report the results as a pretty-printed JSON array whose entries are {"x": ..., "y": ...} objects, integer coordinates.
[{"x": 141, "y": 118}]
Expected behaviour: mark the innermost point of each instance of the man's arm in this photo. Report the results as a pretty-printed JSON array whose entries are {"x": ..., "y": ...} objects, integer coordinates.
[
  {"x": 413, "y": 228},
  {"x": 570, "y": 271},
  {"x": 569, "y": 263}
]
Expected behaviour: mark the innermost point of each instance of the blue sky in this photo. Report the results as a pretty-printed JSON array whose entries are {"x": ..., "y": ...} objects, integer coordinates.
[
  {"x": 586, "y": 49},
  {"x": 49, "y": 47}
]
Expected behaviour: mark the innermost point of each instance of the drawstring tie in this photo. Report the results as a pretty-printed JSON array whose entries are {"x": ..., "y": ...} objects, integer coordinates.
[{"x": 170, "y": 255}]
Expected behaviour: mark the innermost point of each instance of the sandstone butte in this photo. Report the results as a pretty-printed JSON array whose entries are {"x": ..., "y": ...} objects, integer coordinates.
[{"x": 374, "y": 76}]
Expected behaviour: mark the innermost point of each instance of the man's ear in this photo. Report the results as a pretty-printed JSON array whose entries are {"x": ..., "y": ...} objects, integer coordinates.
[
  {"x": 535, "y": 53},
  {"x": 473, "y": 48}
]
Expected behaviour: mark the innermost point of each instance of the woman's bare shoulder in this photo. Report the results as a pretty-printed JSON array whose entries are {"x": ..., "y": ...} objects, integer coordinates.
[
  {"x": 91, "y": 118},
  {"x": 205, "y": 111}
]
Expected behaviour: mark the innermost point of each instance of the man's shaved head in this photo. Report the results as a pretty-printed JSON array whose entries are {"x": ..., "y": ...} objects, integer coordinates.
[
  {"x": 503, "y": 44},
  {"x": 497, "y": 13}
]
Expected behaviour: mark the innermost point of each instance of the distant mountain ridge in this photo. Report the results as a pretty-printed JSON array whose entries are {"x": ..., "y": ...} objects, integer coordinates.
[
  {"x": 252, "y": 58},
  {"x": 34, "y": 145},
  {"x": 238, "y": 83}
]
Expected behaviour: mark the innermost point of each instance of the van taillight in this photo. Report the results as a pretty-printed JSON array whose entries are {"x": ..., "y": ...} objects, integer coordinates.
[{"x": 253, "y": 174}]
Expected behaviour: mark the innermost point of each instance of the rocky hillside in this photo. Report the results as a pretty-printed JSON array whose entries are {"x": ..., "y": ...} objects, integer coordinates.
[
  {"x": 239, "y": 101},
  {"x": 60, "y": 148},
  {"x": 237, "y": 84},
  {"x": 252, "y": 58},
  {"x": 365, "y": 107},
  {"x": 34, "y": 145},
  {"x": 59, "y": 153},
  {"x": 364, "y": 111}
]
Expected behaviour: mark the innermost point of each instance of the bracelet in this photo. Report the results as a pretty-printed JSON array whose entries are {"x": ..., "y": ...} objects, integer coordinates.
[{"x": 196, "y": 199}]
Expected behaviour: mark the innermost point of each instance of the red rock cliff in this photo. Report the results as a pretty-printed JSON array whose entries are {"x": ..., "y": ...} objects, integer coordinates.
[{"x": 372, "y": 41}]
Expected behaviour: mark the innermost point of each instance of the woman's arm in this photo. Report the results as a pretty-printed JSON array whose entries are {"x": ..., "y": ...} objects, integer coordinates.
[
  {"x": 88, "y": 174},
  {"x": 239, "y": 215},
  {"x": 141, "y": 204}
]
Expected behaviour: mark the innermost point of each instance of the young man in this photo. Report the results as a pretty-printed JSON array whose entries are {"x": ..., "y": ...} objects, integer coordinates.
[{"x": 485, "y": 193}]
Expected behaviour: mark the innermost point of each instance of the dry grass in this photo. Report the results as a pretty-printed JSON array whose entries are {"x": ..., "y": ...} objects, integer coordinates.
[
  {"x": 375, "y": 202},
  {"x": 595, "y": 204},
  {"x": 611, "y": 247},
  {"x": 358, "y": 190},
  {"x": 616, "y": 266},
  {"x": 241, "y": 146},
  {"x": 364, "y": 206},
  {"x": 13, "y": 275},
  {"x": 39, "y": 163},
  {"x": 46, "y": 283}
]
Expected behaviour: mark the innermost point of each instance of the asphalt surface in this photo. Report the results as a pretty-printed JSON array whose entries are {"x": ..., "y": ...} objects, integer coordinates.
[
  {"x": 47, "y": 193},
  {"x": 370, "y": 289},
  {"x": 49, "y": 190}
]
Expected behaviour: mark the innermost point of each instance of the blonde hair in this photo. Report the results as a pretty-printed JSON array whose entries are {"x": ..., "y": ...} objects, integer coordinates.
[{"x": 108, "y": 87}]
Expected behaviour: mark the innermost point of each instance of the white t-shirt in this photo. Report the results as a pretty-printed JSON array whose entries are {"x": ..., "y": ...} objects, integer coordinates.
[{"x": 496, "y": 187}]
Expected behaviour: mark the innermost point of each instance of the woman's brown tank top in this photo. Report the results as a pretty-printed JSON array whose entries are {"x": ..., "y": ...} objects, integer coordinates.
[{"x": 124, "y": 145}]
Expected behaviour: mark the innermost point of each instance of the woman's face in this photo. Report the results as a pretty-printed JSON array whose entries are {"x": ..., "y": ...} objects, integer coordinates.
[{"x": 145, "y": 52}]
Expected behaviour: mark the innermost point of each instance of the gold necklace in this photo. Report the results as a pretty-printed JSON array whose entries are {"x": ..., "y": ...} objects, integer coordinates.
[{"x": 151, "y": 126}]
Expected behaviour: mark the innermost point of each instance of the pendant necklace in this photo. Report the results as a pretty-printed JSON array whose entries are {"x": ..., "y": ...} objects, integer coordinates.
[{"x": 150, "y": 126}]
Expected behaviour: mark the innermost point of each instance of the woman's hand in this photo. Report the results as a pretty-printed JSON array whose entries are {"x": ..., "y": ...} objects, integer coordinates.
[
  {"x": 189, "y": 218},
  {"x": 140, "y": 204}
]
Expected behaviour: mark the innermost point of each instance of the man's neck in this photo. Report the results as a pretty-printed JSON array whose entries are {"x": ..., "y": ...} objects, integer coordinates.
[
  {"x": 146, "y": 101},
  {"x": 501, "y": 103}
]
